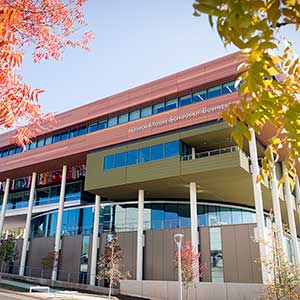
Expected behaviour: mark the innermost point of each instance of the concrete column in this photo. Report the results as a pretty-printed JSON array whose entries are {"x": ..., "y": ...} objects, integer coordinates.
[
  {"x": 27, "y": 230},
  {"x": 57, "y": 242},
  {"x": 193, "y": 153},
  {"x": 4, "y": 205},
  {"x": 261, "y": 234},
  {"x": 95, "y": 245},
  {"x": 194, "y": 223},
  {"x": 276, "y": 207},
  {"x": 140, "y": 236},
  {"x": 291, "y": 217}
]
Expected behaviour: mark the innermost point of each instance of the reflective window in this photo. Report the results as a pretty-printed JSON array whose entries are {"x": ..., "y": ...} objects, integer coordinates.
[
  {"x": 132, "y": 157},
  {"x": 84, "y": 259},
  {"x": 216, "y": 254},
  {"x": 199, "y": 96},
  {"x": 120, "y": 159},
  {"x": 32, "y": 145},
  {"x": 172, "y": 149},
  {"x": 56, "y": 138},
  {"x": 145, "y": 155},
  {"x": 202, "y": 215},
  {"x": 19, "y": 150},
  {"x": 92, "y": 127},
  {"x": 82, "y": 130},
  {"x": 73, "y": 133},
  {"x": 225, "y": 213},
  {"x": 171, "y": 104},
  {"x": 147, "y": 111},
  {"x": 228, "y": 87},
  {"x": 102, "y": 125},
  {"x": 157, "y": 152},
  {"x": 185, "y": 100},
  {"x": 12, "y": 151},
  {"x": 64, "y": 136},
  {"x": 112, "y": 121},
  {"x": 184, "y": 216},
  {"x": 158, "y": 108},
  {"x": 157, "y": 216},
  {"x": 171, "y": 216},
  {"x": 48, "y": 140},
  {"x": 40, "y": 142},
  {"x": 214, "y": 91},
  {"x": 5, "y": 153},
  {"x": 109, "y": 162},
  {"x": 236, "y": 215},
  {"x": 134, "y": 115},
  {"x": 123, "y": 118}
]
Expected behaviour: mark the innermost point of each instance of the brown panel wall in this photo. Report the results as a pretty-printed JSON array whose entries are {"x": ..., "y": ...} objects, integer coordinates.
[
  {"x": 205, "y": 252},
  {"x": 159, "y": 253},
  {"x": 19, "y": 245},
  {"x": 39, "y": 248},
  {"x": 239, "y": 253},
  {"x": 70, "y": 262}
]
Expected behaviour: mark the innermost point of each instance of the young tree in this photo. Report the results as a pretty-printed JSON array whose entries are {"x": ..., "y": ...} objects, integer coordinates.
[
  {"x": 8, "y": 251},
  {"x": 191, "y": 268},
  {"x": 110, "y": 264},
  {"x": 284, "y": 275},
  {"x": 270, "y": 75},
  {"x": 48, "y": 27},
  {"x": 48, "y": 261}
]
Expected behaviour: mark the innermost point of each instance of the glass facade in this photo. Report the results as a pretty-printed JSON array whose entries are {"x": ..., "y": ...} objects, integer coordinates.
[
  {"x": 216, "y": 256},
  {"x": 44, "y": 195},
  {"x": 143, "y": 155},
  {"x": 123, "y": 218},
  {"x": 202, "y": 95}
]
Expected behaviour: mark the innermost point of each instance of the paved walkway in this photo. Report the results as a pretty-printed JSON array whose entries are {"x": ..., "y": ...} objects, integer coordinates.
[{"x": 54, "y": 294}]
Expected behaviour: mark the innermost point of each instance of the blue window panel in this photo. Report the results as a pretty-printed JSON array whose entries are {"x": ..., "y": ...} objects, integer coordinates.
[
  {"x": 120, "y": 159},
  {"x": 48, "y": 140},
  {"x": 157, "y": 152},
  {"x": 236, "y": 216},
  {"x": 56, "y": 138},
  {"x": 202, "y": 215},
  {"x": 145, "y": 154},
  {"x": 19, "y": 150},
  {"x": 112, "y": 121},
  {"x": 123, "y": 118},
  {"x": 73, "y": 133},
  {"x": 158, "y": 108},
  {"x": 134, "y": 115},
  {"x": 157, "y": 216},
  {"x": 185, "y": 100},
  {"x": 214, "y": 91},
  {"x": 225, "y": 215},
  {"x": 147, "y": 111},
  {"x": 109, "y": 162},
  {"x": 12, "y": 151},
  {"x": 64, "y": 136},
  {"x": 228, "y": 87},
  {"x": 132, "y": 157},
  {"x": 92, "y": 127},
  {"x": 82, "y": 130},
  {"x": 40, "y": 142},
  {"x": 1, "y": 153},
  {"x": 172, "y": 149},
  {"x": 184, "y": 219},
  {"x": 172, "y": 104},
  {"x": 32, "y": 145},
  {"x": 199, "y": 96},
  {"x": 171, "y": 216},
  {"x": 248, "y": 217},
  {"x": 102, "y": 125}
]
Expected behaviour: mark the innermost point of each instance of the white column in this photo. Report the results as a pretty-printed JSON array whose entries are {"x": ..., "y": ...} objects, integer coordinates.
[
  {"x": 194, "y": 223},
  {"x": 27, "y": 229},
  {"x": 59, "y": 220},
  {"x": 4, "y": 205},
  {"x": 95, "y": 241},
  {"x": 276, "y": 207},
  {"x": 291, "y": 217},
  {"x": 193, "y": 153},
  {"x": 140, "y": 236},
  {"x": 261, "y": 234}
]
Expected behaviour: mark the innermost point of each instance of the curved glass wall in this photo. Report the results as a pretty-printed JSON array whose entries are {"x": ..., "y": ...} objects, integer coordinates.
[{"x": 123, "y": 217}]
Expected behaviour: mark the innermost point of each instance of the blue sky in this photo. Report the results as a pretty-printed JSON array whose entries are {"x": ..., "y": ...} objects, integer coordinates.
[{"x": 136, "y": 41}]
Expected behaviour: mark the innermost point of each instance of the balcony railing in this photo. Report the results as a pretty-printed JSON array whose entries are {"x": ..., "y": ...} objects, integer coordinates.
[{"x": 211, "y": 153}]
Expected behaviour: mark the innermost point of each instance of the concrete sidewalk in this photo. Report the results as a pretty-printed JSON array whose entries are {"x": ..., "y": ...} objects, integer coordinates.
[{"x": 54, "y": 293}]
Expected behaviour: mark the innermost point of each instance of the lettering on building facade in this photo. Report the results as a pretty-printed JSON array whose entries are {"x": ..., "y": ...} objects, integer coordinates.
[{"x": 178, "y": 118}]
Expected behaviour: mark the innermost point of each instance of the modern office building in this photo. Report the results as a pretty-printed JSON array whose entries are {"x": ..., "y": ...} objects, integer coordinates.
[{"x": 145, "y": 164}]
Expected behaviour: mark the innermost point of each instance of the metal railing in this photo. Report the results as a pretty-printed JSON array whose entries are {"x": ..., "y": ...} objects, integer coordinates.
[{"x": 210, "y": 153}]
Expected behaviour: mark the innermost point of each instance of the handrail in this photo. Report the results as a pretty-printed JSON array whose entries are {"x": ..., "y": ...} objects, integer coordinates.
[{"x": 210, "y": 153}]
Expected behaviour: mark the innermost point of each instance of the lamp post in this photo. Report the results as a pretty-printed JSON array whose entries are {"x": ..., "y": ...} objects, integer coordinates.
[{"x": 178, "y": 240}]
